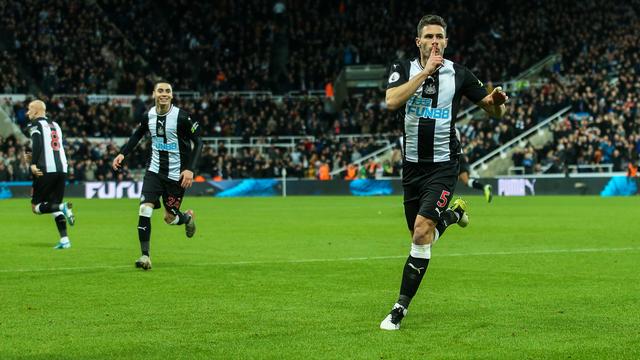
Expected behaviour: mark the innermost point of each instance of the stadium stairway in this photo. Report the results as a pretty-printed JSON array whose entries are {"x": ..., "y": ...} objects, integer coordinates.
[
  {"x": 7, "y": 127},
  {"x": 380, "y": 154},
  {"x": 499, "y": 161},
  {"x": 528, "y": 78}
]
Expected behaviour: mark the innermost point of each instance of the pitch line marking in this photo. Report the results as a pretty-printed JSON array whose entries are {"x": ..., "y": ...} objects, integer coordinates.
[{"x": 364, "y": 258}]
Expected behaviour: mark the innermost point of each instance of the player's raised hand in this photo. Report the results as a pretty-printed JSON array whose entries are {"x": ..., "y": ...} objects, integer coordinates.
[
  {"x": 498, "y": 96},
  {"x": 35, "y": 171},
  {"x": 187, "y": 178},
  {"x": 435, "y": 60},
  {"x": 117, "y": 162}
]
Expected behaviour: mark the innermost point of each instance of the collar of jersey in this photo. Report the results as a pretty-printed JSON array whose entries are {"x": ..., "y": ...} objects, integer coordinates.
[{"x": 168, "y": 111}]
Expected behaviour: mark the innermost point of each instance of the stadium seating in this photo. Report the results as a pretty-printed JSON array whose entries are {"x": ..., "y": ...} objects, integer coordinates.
[
  {"x": 246, "y": 45},
  {"x": 237, "y": 45}
]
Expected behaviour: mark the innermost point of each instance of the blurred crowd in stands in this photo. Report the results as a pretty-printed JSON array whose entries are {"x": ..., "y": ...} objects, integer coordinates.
[
  {"x": 114, "y": 46},
  {"x": 307, "y": 158},
  {"x": 117, "y": 46}
]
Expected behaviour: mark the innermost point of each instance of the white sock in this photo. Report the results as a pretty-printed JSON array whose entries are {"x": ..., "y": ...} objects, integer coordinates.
[
  {"x": 37, "y": 209},
  {"x": 396, "y": 305},
  {"x": 470, "y": 183},
  {"x": 420, "y": 251},
  {"x": 64, "y": 240}
]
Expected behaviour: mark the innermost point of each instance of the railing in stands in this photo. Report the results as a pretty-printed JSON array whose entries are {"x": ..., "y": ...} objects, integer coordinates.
[
  {"x": 126, "y": 99},
  {"x": 575, "y": 169},
  {"x": 235, "y": 143},
  {"x": 365, "y": 158},
  {"x": 269, "y": 95},
  {"x": 591, "y": 168},
  {"x": 502, "y": 150}
]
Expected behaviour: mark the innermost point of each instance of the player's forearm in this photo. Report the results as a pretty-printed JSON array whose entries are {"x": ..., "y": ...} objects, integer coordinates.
[
  {"x": 133, "y": 141},
  {"x": 396, "y": 97},
  {"x": 195, "y": 154}
]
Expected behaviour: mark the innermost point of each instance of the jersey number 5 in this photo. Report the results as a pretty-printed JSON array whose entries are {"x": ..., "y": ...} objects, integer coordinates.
[
  {"x": 443, "y": 199},
  {"x": 55, "y": 141}
]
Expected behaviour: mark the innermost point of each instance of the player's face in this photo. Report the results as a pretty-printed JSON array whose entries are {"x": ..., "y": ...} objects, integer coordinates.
[
  {"x": 163, "y": 94},
  {"x": 31, "y": 112},
  {"x": 432, "y": 35}
]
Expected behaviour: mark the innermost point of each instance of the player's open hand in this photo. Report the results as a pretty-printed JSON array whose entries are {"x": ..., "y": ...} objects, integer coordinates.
[
  {"x": 435, "y": 60},
  {"x": 117, "y": 162},
  {"x": 35, "y": 171},
  {"x": 498, "y": 96},
  {"x": 186, "y": 179}
]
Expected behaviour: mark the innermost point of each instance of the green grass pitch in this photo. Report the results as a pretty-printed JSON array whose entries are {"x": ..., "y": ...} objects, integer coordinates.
[{"x": 312, "y": 277}]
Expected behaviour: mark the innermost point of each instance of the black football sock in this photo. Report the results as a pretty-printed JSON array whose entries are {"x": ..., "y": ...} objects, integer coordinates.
[
  {"x": 448, "y": 217},
  {"x": 144, "y": 233},
  {"x": 474, "y": 183},
  {"x": 47, "y": 207},
  {"x": 182, "y": 218},
  {"x": 414, "y": 269},
  {"x": 61, "y": 223}
]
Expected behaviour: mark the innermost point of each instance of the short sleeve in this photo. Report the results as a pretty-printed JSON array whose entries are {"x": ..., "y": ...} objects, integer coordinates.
[{"x": 397, "y": 75}]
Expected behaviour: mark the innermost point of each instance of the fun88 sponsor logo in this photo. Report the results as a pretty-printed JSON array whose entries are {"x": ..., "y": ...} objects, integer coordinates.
[
  {"x": 161, "y": 146},
  {"x": 421, "y": 107}
]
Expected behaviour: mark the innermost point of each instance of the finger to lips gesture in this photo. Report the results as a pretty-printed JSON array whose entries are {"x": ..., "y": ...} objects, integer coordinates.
[{"x": 435, "y": 59}]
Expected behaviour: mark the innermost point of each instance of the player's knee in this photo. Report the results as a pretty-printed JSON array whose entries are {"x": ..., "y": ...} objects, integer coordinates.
[
  {"x": 145, "y": 210},
  {"x": 423, "y": 231},
  {"x": 464, "y": 177}
]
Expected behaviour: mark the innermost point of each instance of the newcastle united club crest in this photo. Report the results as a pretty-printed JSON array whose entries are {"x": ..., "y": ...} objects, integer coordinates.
[{"x": 430, "y": 86}]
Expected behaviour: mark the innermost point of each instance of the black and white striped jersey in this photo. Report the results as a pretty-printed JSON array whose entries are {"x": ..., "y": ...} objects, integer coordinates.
[
  {"x": 46, "y": 141},
  {"x": 171, "y": 137},
  {"x": 429, "y": 115}
]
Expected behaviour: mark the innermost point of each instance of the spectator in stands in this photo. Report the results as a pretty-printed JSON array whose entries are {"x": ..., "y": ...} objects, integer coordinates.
[{"x": 5, "y": 174}]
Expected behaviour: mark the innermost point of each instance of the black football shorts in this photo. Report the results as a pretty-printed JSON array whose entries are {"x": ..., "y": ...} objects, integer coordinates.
[
  {"x": 155, "y": 186},
  {"x": 428, "y": 189},
  {"x": 48, "y": 187}
]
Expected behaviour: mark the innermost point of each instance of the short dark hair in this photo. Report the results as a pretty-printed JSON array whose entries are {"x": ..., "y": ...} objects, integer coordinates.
[
  {"x": 161, "y": 81},
  {"x": 431, "y": 20}
]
